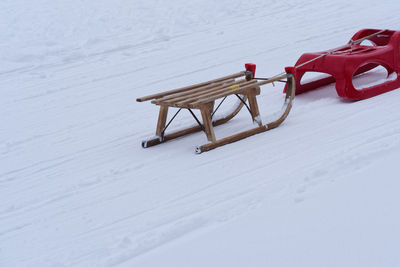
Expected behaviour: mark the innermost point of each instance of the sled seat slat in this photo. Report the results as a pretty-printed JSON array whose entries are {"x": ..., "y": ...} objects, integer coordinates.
[
  {"x": 196, "y": 91},
  {"x": 207, "y": 97},
  {"x": 226, "y": 89},
  {"x": 191, "y": 87}
]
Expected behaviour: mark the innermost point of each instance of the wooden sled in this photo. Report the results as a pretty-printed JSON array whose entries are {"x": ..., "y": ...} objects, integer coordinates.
[{"x": 202, "y": 96}]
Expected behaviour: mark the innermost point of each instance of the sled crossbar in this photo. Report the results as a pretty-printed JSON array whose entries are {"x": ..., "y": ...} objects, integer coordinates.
[{"x": 203, "y": 96}]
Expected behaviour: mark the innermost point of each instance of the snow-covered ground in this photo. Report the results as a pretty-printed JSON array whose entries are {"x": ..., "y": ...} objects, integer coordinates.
[{"x": 76, "y": 188}]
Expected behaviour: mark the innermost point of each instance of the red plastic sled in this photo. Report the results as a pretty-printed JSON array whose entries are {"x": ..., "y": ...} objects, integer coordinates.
[{"x": 345, "y": 62}]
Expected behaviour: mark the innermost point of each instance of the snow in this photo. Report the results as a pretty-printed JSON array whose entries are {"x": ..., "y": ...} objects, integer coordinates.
[
  {"x": 333, "y": 230},
  {"x": 313, "y": 76},
  {"x": 77, "y": 189},
  {"x": 376, "y": 76}
]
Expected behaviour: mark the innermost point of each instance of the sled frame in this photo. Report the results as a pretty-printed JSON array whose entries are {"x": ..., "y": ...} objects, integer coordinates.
[{"x": 202, "y": 97}]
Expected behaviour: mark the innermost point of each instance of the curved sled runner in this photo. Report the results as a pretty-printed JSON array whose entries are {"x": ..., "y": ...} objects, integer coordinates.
[
  {"x": 352, "y": 59},
  {"x": 203, "y": 96}
]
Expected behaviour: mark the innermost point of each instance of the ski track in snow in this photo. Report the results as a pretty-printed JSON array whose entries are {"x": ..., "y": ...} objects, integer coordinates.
[{"x": 76, "y": 187}]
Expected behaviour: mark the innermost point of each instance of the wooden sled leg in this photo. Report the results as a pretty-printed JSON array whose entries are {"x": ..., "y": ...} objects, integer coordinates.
[
  {"x": 162, "y": 119},
  {"x": 208, "y": 127},
  {"x": 255, "y": 113}
]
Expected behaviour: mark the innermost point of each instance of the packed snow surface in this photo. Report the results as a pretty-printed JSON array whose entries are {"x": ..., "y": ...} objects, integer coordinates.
[{"x": 77, "y": 189}]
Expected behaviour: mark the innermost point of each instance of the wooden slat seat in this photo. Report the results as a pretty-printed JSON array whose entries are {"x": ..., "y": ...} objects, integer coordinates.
[{"x": 195, "y": 91}]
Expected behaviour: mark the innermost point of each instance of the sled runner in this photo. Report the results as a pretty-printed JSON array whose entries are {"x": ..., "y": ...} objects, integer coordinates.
[
  {"x": 354, "y": 58},
  {"x": 203, "y": 97}
]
